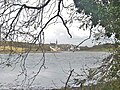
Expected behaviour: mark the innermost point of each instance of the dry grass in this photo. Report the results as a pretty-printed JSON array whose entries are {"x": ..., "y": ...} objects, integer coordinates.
[{"x": 12, "y": 49}]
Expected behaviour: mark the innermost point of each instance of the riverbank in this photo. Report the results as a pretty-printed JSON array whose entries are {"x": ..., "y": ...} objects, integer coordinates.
[{"x": 22, "y": 47}]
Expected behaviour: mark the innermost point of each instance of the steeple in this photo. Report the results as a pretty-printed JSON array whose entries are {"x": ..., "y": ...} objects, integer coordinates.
[{"x": 56, "y": 42}]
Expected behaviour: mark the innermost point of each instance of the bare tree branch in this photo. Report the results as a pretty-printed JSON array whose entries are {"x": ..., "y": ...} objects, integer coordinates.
[
  {"x": 68, "y": 78},
  {"x": 85, "y": 39},
  {"x": 11, "y": 25},
  {"x": 38, "y": 8}
]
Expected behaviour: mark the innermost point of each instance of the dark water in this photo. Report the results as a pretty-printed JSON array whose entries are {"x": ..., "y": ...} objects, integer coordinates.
[{"x": 56, "y": 70}]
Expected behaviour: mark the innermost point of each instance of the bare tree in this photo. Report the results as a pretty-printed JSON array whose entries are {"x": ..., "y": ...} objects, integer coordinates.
[{"x": 26, "y": 20}]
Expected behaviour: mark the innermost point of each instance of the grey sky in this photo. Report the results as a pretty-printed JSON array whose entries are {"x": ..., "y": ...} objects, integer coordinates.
[{"x": 58, "y": 31}]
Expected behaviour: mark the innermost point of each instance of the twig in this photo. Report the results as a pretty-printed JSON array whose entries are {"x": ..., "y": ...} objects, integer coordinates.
[
  {"x": 68, "y": 78},
  {"x": 85, "y": 39}
]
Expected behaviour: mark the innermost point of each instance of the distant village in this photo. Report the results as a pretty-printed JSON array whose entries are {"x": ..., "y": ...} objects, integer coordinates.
[
  {"x": 55, "y": 47},
  {"x": 70, "y": 47}
]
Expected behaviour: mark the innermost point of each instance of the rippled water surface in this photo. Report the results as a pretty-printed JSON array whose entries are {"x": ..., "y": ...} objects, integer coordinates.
[{"x": 55, "y": 72}]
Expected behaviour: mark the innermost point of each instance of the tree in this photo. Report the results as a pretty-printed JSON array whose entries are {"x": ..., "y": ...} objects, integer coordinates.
[
  {"x": 104, "y": 12},
  {"x": 25, "y": 21},
  {"x": 17, "y": 16},
  {"x": 107, "y": 14}
]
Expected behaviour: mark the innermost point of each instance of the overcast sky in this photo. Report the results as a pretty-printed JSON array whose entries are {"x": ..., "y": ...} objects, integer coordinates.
[{"x": 58, "y": 32}]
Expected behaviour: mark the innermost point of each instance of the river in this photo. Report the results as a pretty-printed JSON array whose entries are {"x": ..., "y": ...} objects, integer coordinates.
[{"x": 55, "y": 72}]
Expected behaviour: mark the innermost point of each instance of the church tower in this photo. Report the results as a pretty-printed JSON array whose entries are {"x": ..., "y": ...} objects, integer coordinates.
[{"x": 56, "y": 42}]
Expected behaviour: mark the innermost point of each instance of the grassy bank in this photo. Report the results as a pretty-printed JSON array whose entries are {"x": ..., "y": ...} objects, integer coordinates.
[
  {"x": 8, "y": 49},
  {"x": 21, "y": 47}
]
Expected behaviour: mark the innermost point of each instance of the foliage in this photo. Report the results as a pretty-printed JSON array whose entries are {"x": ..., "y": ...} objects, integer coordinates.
[{"x": 107, "y": 14}]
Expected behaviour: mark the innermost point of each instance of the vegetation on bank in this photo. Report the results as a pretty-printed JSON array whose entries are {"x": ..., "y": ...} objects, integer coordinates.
[
  {"x": 113, "y": 85},
  {"x": 105, "y": 13},
  {"x": 104, "y": 47},
  {"x": 21, "y": 47},
  {"x": 8, "y": 49}
]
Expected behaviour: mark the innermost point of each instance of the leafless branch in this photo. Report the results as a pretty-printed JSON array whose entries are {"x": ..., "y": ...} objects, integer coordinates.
[
  {"x": 85, "y": 39},
  {"x": 68, "y": 78}
]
